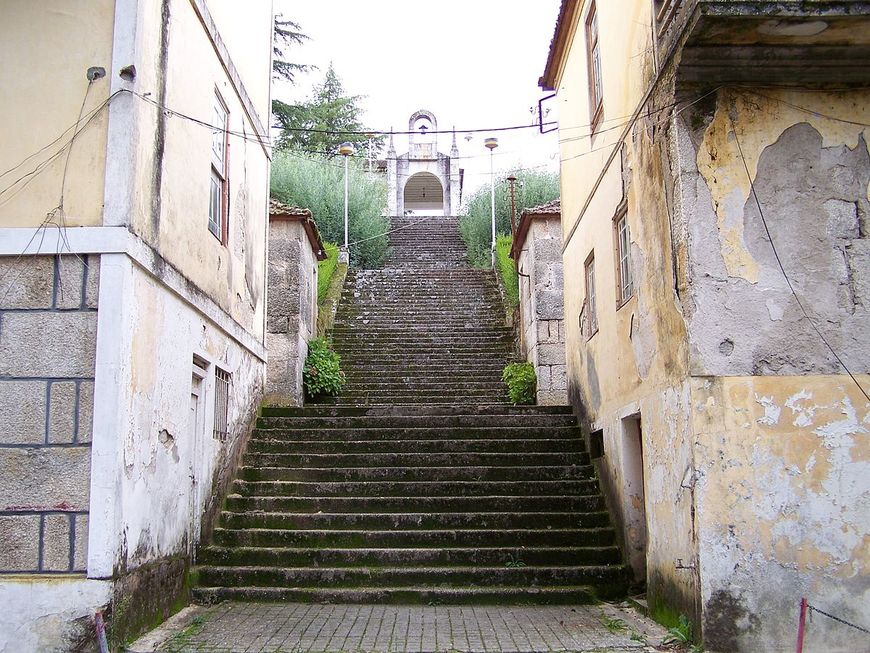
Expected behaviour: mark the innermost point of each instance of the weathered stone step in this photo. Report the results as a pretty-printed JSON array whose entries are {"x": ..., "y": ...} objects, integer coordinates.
[
  {"x": 363, "y": 395},
  {"x": 384, "y": 419},
  {"x": 361, "y": 373},
  {"x": 415, "y": 459},
  {"x": 404, "y": 389},
  {"x": 460, "y": 488},
  {"x": 528, "y": 576},
  {"x": 429, "y": 595},
  {"x": 238, "y": 504},
  {"x": 428, "y": 411},
  {"x": 448, "y": 556},
  {"x": 413, "y": 539},
  {"x": 440, "y": 446},
  {"x": 384, "y": 400},
  {"x": 427, "y": 473},
  {"x": 502, "y": 438},
  {"x": 477, "y": 336}
]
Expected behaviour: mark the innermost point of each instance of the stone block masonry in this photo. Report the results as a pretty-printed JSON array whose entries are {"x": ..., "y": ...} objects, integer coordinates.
[{"x": 48, "y": 326}]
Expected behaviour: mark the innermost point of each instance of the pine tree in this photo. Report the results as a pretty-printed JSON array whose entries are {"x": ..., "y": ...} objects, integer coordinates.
[{"x": 327, "y": 113}]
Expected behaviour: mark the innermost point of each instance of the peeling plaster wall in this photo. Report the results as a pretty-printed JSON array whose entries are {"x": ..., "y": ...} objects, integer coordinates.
[
  {"x": 48, "y": 615},
  {"x": 145, "y": 504},
  {"x": 783, "y": 509},
  {"x": 811, "y": 176},
  {"x": 173, "y": 157},
  {"x": 635, "y": 366}
]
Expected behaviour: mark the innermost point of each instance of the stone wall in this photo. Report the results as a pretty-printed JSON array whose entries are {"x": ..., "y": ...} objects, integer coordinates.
[
  {"x": 541, "y": 308},
  {"x": 48, "y": 327},
  {"x": 291, "y": 314}
]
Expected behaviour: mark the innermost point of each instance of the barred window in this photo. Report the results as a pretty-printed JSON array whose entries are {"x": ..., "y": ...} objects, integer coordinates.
[{"x": 221, "y": 403}]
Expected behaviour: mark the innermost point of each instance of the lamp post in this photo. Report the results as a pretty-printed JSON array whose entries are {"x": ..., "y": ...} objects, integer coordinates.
[
  {"x": 345, "y": 149},
  {"x": 512, "y": 180},
  {"x": 492, "y": 143}
]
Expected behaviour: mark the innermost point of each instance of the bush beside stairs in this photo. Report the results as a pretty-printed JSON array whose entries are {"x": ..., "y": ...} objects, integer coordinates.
[{"x": 421, "y": 483}]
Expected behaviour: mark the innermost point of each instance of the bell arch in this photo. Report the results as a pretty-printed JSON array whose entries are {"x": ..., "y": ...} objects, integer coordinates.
[{"x": 424, "y": 192}]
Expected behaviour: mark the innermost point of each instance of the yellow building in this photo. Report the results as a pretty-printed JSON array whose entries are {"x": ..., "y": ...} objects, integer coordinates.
[
  {"x": 134, "y": 175},
  {"x": 716, "y": 249}
]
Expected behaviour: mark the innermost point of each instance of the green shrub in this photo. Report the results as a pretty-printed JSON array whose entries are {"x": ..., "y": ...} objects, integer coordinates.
[
  {"x": 325, "y": 270},
  {"x": 507, "y": 269},
  {"x": 533, "y": 188},
  {"x": 317, "y": 183},
  {"x": 521, "y": 382},
  {"x": 322, "y": 373}
]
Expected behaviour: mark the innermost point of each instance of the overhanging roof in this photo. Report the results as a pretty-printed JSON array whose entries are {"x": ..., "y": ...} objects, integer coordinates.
[
  {"x": 280, "y": 211},
  {"x": 561, "y": 37}
]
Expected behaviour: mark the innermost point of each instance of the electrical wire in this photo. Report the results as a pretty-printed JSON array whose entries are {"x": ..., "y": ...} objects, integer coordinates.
[{"x": 782, "y": 267}]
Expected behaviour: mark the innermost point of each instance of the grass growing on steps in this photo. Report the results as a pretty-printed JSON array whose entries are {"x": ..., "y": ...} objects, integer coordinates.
[
  {"x": 325, "y": 270},
  {"x": 507, "y": 270}
]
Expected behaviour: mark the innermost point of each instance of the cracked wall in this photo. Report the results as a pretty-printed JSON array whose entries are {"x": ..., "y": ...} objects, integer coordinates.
[
  {"x": 783, "y": 509},
  {"x": 780, "y": 431}
]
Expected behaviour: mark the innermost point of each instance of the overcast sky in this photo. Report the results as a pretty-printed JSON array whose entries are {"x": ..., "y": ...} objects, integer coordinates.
[{"x": 474, "y": 63}]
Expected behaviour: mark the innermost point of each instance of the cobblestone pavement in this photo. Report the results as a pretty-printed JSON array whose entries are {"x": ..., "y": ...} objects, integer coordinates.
[{"x": 297, "y": 628}]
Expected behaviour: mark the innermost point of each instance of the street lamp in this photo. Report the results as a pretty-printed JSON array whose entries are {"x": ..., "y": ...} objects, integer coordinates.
[
  {"x": 345, "y": 149},
  {"x": 492, "y": 143}
]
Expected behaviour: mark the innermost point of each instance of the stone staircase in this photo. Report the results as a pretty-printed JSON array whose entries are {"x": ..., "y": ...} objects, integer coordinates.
[{"x": 421, "y": 483}]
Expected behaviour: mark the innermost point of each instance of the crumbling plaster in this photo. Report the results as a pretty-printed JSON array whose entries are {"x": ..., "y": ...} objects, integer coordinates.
[
  {"x": 811, "y": 177},
  {"x": 783, "y": 508}
]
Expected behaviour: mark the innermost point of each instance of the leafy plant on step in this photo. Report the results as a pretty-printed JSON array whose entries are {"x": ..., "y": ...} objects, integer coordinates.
[
  {"x": 322, "y": 373},
  {"x": 614, "y": 625},
  {"x": 521, "y": 382},
  {"x": 507, "y": 269},
  {"x": 514, "y": 562},
  {"x": 681, "y": 634}
]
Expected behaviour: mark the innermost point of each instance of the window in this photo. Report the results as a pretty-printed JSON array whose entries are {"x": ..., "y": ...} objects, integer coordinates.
[
  {"x": 591, "y": 321},
  {"x": 596, "y": 444},
  {"x": 593, "y": 57},
  {"x": 221, "y": 403},
  {"x": 219, "y": 191},
  {"x": 624, "y": 281}
]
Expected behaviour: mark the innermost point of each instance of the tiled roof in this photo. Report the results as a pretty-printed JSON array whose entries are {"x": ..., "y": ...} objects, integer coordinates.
[
  {"x": 553, "y": 208},
  {"x": 550, "y": 208},
  {"x": 278, "y": 208}
]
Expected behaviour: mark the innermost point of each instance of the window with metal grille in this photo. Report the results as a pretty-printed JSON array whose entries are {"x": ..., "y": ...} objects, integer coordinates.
[
  {"x": 219, "y": 189},
  {"x": 624, "y": 282},
  {"x": 593, "y": 56},
  {"x": 221, "y": 403},
  {"x": 589, "y": 309}
]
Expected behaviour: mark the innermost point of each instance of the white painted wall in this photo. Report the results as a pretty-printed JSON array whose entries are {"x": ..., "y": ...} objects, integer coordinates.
[
  {"x": 36, "y": 612},
  {"x": 144, "y": 503}
]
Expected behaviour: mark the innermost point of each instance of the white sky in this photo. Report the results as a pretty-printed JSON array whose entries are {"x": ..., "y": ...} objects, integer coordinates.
[{"x": 473, "y": 63}]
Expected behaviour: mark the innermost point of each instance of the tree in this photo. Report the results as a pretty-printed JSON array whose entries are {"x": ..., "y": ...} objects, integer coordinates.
[
  {"x": 533, "y": 189},
  {"x": 287, "y": 34},
  {"x": 316, "y": 125},
  {"x": 311, "y": 181}
]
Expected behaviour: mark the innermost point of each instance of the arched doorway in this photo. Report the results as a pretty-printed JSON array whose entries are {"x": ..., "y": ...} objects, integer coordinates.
[{"x": 424, "y": 194}]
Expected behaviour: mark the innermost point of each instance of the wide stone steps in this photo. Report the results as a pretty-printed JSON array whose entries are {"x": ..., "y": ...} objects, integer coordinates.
[
  {"x": 422, "y": 473},
  {"x": 426, "y": 595},
  {"x": 420, "y": 483},
  {"x": 415, "y": 446},
  {"x": 527, "y": 539},
  {"x": 528, "y": 576},
  {"x": 420, "y": 557},
  {"x": 406, "y": 459},
  {"x": 416, "y": 488},
  {"x": 407, "y": 505}
]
